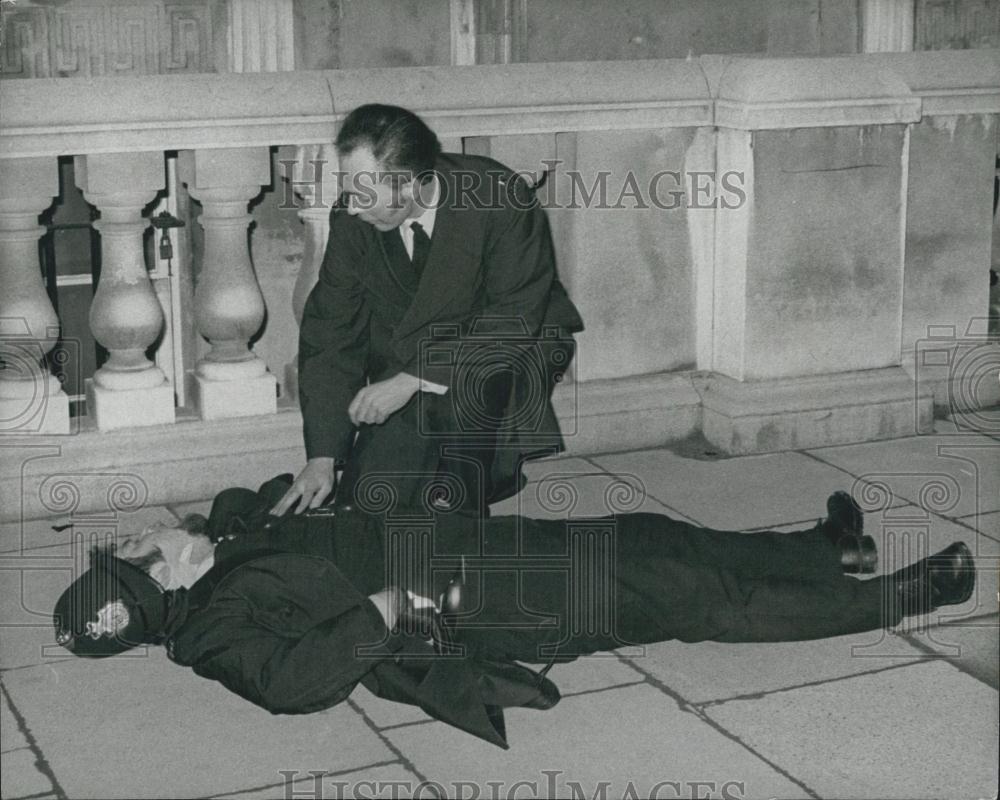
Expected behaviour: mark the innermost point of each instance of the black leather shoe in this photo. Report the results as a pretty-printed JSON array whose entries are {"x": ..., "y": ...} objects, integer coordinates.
[
  {"x": 844, "y": 514},
  {"x": 943, "y": 579},
  {"x": 844, "y": 526}
]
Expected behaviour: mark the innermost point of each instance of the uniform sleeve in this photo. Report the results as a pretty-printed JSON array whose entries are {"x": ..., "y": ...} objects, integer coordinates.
[
  {"x": 333, "y": 344},
  {"x": 293, "y": 674}
]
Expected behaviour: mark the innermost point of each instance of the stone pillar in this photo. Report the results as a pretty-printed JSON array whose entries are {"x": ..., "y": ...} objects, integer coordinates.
[
  {"x": 313, "y": 177},
  {"x": 463, "y": 32},
  {"x": 946, "y": 344},
  {"x": 231, "y": 380},
  {"x": 261, "y": 36},
  {"x": 125, "y": 315},
  {"x": 808, "y": 273},
  {"x": 31, "y": 398},
  {"x": 887, "y": 26}
]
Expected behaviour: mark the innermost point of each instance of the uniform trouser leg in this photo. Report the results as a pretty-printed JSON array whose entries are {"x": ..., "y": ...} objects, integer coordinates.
[
  {"x": 703, "y": 604},
  {"x": 805, "y": 553},
  {"x": 677, "y": 581}
]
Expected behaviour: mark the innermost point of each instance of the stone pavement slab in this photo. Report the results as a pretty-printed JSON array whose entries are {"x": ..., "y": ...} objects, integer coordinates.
[
  {"x": 738, "y": 493},
  {"x": 952, "y": 475},
  {"x": 392, "y": 780},
  {"x": 385, "y": 713},
  {"x": 180, "y": 510},
  {"x": 28, "y": 593},
  {"x": 922, "y": 731},
  {"x": 987, "y": 523},
  {"x": 711, "y": 671},
  {"x": 972, "y": 646},
  {"x": 91, "y": 718},
  {"x": 587, "y": 674},
  {"x": 634, "y": 734},
  {"x": 20, "y": 775},
  {"x": 563, "y": 495},
  {"x": 11, "y": 737},
  {"x": 18, "y": 537},
  {"x": 593, "y": 673},
  {"x": 29, "y": 646}
]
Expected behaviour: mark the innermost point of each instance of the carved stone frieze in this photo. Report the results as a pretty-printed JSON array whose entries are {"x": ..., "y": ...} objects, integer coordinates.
[{"x": 89, "y": 38}]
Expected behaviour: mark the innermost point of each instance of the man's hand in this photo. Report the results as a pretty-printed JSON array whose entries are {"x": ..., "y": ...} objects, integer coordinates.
[
  {"x": 375, "y": 403},
  {"x": 312, "y": 485}
]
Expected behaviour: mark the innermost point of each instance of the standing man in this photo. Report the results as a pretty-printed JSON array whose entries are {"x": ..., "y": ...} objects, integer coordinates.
[{"x": 437, "y": 328}]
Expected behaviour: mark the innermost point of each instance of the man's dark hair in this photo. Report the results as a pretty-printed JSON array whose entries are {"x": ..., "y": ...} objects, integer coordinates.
[
  {"x": 399, "y": 140},
  {"x": 192, "y": 523},
  {"x": 145, "y": 562}
]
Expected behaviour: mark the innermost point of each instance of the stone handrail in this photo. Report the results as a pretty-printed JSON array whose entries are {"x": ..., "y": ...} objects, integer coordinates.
[{"x": 52, "y": 116}]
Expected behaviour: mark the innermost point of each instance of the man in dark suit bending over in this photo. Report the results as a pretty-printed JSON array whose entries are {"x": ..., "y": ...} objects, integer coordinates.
[{"x": 437, "y": 328}]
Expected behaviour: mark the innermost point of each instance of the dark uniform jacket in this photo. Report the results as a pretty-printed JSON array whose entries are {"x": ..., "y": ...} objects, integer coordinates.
[
  {"x": 278, "y": 622},
  {"x": 489, "y": 280}
]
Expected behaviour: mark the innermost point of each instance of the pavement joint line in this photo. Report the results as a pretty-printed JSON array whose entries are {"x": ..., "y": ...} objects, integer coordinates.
[
  {"x": 648, "y": 495},
  {"x": 411, "y": 724},
  {"x": 690, "y": 708},
  {"x": 604, "y": 472},
  {"x": 909, "y": 501},
  {"x": 595, "y": 465},
  {"x": 41, "y": 764},
  {"x": 37, "y": 663},
  {"x": 806, "y": 684},
  {"x": 961, "y": 521},
  {"x": 313, "y": 776},
  {"x": 600, "y": 689},
  {"x": 812, "y": 454},
  {"x": 954, "y": 662},
  {"x": 964, "y": 622},
  {"x": 23, "y": 550},
  {"x": 400, "y": 756}
]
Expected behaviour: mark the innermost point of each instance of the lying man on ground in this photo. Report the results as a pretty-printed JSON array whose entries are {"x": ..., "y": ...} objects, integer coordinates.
[{"x": 436, "y": 610}]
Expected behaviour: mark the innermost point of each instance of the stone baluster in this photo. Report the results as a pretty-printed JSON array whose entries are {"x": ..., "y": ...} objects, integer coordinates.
[
  {"x": 231, "y": 380},
  {"x": 313, "y": 176},
  {"x": 31, "y": 398},
  {"x": 129, "y": 390}
]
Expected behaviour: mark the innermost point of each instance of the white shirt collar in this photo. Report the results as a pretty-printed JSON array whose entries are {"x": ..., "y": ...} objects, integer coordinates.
[{"x": 426, "y": 219}]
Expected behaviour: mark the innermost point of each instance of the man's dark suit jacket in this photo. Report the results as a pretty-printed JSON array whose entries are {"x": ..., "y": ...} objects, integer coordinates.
[{"x": 490, "y": 273}]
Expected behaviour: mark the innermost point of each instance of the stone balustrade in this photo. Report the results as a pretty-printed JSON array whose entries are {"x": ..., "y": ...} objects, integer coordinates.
[{"x": 760, "y": 248}]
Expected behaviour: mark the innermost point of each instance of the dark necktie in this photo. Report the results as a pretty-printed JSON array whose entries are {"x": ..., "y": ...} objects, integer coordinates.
[{"x": 421, "y": 246}]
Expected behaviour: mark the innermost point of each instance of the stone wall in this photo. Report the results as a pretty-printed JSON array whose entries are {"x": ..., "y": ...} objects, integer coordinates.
[{"x": 783, "y": 309}]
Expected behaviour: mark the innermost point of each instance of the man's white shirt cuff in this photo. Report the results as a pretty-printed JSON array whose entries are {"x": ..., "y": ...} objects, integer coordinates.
[{"x": 433, "y": 388}]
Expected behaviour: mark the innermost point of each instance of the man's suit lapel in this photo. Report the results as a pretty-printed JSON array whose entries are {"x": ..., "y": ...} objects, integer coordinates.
[
  {"x": 452, "y": 262},
  {"x": 397, "y": 266}
]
